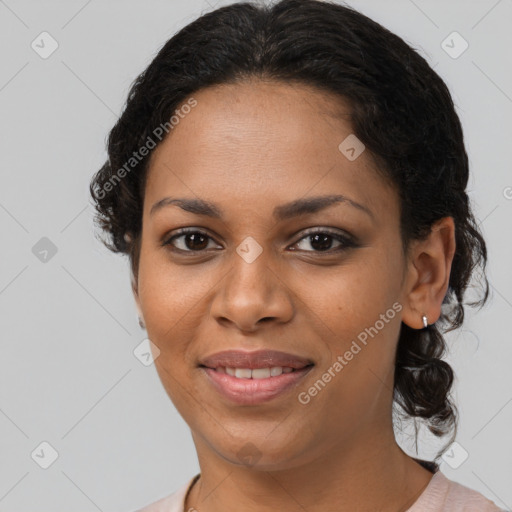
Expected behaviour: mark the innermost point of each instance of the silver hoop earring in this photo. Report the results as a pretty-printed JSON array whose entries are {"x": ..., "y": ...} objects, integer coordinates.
[
  {"x": 141, "y": 323},
  {"x": 425, "y": 321}
]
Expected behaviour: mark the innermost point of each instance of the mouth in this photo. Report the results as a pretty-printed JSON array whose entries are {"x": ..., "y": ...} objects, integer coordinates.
[
  {"x": 251, "y": 378},
  {"x": 256, "y": 360},
  {"x": 256, "y": 373}
]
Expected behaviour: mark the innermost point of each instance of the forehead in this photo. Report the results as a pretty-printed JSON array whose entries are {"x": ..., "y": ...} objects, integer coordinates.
[{"x": 260, "y": 143}]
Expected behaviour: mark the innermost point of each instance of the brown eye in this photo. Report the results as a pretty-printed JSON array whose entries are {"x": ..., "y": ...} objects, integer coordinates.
[
  {"x": 321, "y": 240},
  {"x": 189, "y": 240}
]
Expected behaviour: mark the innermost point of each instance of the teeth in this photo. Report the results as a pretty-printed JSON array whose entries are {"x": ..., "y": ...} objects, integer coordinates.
[
  {"x": 276, "y": 370},
  {"x": 243, "y": 373},
  {"x": 256, "y": 373},
  {"x": 261, "y": 373}
]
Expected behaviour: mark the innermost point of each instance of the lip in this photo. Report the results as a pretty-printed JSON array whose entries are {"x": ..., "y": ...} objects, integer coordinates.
[
  {"x": 256, "y": 359},
  {"x": 254, "y": 391}
]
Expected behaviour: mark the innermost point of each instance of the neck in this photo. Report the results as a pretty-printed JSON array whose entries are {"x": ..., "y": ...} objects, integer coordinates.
[{"x": 362, "y": 474}]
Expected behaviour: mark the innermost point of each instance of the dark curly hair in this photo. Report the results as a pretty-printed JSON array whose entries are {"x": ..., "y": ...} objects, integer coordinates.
[{"x": 401, "y": 110}]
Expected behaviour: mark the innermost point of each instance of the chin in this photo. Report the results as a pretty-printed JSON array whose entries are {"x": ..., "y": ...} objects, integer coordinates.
[{"x": 262, "y": 453}]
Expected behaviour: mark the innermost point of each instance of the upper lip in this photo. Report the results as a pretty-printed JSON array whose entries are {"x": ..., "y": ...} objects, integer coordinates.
[{"x": 256, "y": 359}]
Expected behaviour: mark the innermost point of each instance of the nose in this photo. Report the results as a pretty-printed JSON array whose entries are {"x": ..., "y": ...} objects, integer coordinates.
[{"x": 252, "y": 294}]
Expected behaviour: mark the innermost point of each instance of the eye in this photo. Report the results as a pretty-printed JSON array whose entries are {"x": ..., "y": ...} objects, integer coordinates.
[
  {"x": 321, "y": 240},
  {"x": 194, "y": 240},
  {"x": 189, "y": 240}
]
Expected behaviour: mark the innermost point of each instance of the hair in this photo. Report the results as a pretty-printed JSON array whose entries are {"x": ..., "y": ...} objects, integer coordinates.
[{"x": 400, "y": 109}]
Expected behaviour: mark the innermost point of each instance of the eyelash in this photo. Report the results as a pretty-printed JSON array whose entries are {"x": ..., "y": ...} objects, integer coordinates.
[{"x": 346, "y": 241}]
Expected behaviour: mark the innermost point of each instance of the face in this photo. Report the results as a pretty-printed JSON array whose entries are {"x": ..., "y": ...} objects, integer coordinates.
[{"x": 261, "y": 276}]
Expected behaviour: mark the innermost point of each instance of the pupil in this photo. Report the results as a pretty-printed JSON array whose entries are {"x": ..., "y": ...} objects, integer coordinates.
[
  {"x": 195, "y": 237},
  {"x": 323, "y": 245}
]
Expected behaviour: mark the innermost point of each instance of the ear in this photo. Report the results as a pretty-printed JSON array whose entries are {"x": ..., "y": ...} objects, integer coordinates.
[
  {"x": 428, "y": 274},
  {"x": 135, "y": 291}
]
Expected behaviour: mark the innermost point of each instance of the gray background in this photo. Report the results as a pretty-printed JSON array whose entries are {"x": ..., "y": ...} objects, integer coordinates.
[{"x": 68, "y": 375}]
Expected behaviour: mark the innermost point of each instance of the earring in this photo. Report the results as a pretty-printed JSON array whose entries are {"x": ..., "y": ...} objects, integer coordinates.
[
  {"x": 425, "y": 321},
  {"x": 141, "y": 322}
]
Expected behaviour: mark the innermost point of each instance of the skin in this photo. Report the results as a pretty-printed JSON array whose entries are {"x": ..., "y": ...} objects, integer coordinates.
[{"x": 250, "y": 147}]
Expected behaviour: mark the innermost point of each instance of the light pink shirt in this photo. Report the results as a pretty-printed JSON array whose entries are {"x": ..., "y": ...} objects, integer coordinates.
[{"x": 440, "y": 495}]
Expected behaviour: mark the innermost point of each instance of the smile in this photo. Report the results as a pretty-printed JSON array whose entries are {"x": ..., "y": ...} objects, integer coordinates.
[
  {"x": 255, "y": 373},
  {"x": 244, "y": 386}
]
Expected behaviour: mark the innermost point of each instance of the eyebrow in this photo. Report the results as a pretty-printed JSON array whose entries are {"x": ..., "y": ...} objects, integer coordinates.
[{"x": 295, "y": 208}]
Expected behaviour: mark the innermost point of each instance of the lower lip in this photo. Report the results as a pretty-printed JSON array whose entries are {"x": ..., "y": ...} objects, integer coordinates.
[{"x": 254, "y": 391}]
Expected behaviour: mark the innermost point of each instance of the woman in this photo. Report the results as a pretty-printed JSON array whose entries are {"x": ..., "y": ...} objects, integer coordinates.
[{"x": 289, "y": 185}]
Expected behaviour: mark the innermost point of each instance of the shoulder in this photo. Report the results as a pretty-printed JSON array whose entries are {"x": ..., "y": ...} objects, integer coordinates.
[
  {"x": 445, "y": 495},
  {"x": 175, "y": 502}
]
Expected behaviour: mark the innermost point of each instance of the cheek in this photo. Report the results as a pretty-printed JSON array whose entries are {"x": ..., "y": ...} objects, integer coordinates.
[
  {"x": 169, "y": 293},
  {"x": 351, "y": 296},
  {"x": 356, "y": 310},
  {"x": 173, "y": 314},
  {"x": 176, "y": 313}
]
